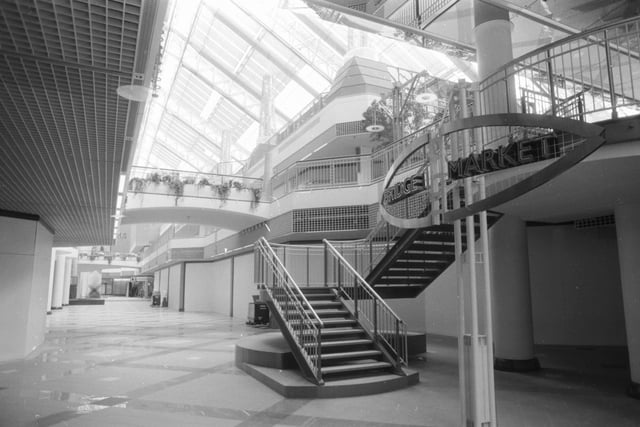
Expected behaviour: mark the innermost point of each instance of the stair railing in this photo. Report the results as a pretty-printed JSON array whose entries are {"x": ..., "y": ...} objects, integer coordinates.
[
  {"x": 372, "y": 312},
  {"x": 300, "y": 319}
]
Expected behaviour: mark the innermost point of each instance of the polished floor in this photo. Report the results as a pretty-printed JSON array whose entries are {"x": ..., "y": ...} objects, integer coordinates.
[{"x": 128, "y": 364}]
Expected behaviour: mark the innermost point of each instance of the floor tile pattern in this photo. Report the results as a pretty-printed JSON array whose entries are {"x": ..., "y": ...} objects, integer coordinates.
[{"x": 129, "y": 364}]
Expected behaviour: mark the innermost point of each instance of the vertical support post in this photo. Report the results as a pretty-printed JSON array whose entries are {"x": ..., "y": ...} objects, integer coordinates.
[
  {"x": 375, "y": 318},
  {"x": 471, "y": 255},
  {"x": 484, "y": 241},
  {"x": 308, "y": 284},
  {"x": 552, "y": 88},
  {"x": 457, "y": 234},
  {"x": 612, "y": 88},
  {"x": 326, "y": 265}
]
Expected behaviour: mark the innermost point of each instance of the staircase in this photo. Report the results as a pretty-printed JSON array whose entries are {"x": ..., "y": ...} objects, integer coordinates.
[
  {"x": 340, "y": 331},
  {"x": 417, "y": 258},
  {"x": 346, "y": 349}
]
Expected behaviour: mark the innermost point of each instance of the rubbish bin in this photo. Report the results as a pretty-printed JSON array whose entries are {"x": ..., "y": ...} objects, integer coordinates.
[{"x": 155, "y": 298}]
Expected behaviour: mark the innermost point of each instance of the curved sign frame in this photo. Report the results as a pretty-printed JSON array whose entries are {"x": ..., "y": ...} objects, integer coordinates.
[{"x": 593, "y": 139}]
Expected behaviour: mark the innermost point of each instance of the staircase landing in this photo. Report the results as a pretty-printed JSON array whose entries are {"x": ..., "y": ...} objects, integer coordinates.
[{"x": 267, "y": 358}]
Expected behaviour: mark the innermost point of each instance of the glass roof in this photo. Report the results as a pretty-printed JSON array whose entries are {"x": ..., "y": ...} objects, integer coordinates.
[{"x": 215, "y": 54}]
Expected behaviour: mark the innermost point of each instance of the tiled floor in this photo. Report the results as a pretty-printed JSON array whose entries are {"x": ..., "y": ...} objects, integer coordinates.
[{"x": 128, "y": 364}]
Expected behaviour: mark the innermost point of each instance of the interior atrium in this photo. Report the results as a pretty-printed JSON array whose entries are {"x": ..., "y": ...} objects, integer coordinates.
[{"x": 319, "y": 213}]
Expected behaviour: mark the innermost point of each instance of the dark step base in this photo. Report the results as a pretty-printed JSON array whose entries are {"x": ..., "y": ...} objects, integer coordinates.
[{"x": 264, "y": 357}]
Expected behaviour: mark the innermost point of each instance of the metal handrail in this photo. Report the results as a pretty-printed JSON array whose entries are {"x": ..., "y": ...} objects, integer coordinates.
[
  {"x": 300, "y": 319},
  {"x": 372, "y": 312},
  {"x": 595, "y": 62}
]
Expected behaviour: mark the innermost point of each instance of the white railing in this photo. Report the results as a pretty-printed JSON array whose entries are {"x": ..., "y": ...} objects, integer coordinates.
[
  {"x": 373, "y": 314},
  {"x": 301, "y": 321}
]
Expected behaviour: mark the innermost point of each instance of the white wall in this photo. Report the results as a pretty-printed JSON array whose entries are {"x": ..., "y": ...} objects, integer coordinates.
[
  {"x": 575, "y": 286},
  {"x": 411, "y": 310},
  {"x": 208, "y": 287},
  {"x": 243, "y": 285},
  {"x": 575, "y": 289},
  {"x": 174, "y": 291},
  {"x": 25, "y": 254},
  {"x": 163, "y": 284}
]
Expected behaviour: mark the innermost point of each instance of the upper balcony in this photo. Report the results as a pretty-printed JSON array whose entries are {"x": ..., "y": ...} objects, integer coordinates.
[{"x": 170, "y": 196}]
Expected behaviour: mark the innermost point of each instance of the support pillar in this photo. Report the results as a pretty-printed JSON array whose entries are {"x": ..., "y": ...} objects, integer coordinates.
[
  {"x": 513, "y": 321},
  {"x": 66, "y": 286},
  {"x": 58, "y": 281},
  {"x": 25, "y": 261},
  {"x": 628, "y": 233},
  {"x": 513, "y": 324}
]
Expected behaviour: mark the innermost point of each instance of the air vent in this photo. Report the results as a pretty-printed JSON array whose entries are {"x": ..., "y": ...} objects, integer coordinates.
[
  {"x": 331, "y": 219},
  {"x": 595, "y": 222}
]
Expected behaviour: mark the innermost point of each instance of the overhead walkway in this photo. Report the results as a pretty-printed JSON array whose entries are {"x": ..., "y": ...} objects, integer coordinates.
[{"x": 169, "y": 196}]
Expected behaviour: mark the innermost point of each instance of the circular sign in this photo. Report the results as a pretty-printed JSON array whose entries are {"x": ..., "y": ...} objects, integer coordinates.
[{"x": 590, "y": 138}]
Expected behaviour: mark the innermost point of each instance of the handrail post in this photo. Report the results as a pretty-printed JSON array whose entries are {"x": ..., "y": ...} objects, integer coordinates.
[
  {"x": 326, "y": 265},
  {"x": 397, "y": 341},
  {"x": 375, "y": 318},
  {"x": 355, "y": 295},
  {"x": 612, "y": 90}
]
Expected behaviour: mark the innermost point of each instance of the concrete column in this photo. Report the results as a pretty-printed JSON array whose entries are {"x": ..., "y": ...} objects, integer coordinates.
[
  {"x": 494, "y": 49},
  {"x": 25, "y": 261},
  {"x": 58, "y": 282},
  {"x": 364, "y": 175},
  {"x": 512, "y": 317},
  {"x": 628, "y": 233},
  {"x": 66, "y": 286}
]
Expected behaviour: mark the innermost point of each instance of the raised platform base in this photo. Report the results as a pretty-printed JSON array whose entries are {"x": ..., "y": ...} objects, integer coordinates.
[
  {"x": 86, "y": 301},
  {"x": 267, "y": 358}
]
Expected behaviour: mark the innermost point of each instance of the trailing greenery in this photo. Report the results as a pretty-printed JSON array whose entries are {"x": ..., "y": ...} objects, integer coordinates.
[{"x": 176, "y": 186}]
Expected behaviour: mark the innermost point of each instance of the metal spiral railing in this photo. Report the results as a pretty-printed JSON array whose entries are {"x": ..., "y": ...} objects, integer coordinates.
[
  {"x": 591, "y": 76},
  {"x": 299, "y": 317},
  {"x": 369, "y": 308}
]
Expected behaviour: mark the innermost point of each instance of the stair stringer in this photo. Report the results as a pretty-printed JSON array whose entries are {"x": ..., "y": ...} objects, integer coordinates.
[{"x": 293, "y": 345}]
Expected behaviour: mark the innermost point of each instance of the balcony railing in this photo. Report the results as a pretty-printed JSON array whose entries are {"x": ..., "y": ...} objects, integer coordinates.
[{"x": 591, "y": 76}]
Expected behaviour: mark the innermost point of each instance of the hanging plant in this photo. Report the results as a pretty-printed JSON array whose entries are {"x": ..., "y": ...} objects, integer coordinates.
[
  {"x": 175, "y": 185},
  {"x": 256, "y": 193},
  {"x": 223, "y": 191},
  {"x": 202, "y": 182},
  {"x": 237, "y": 185},
  {"x": 136, "y": 185},
  {"x": 154, "y": 178}
]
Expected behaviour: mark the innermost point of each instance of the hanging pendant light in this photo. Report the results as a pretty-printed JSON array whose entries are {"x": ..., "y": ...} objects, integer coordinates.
[{"x": 375, "y": 127}]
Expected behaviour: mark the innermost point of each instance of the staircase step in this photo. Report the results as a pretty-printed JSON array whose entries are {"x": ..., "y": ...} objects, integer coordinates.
[
  {"x": 436, "y": 258},
  {"x": 337, "y": 332},
  {"x": 436, "y": 237},
  {"x": 331, "y": 313},
  {"x": 331, "y": 322},
  {"x": 385, "y": 280},
  {"x": 412, "y": 269},
  {"x": 325, "y": 304},
  {"x": 355, "y": 367},
  {"x": 344, "y": 343},
  {"x": 421, "y": 247},
  {"x": 351, "y": 355}
]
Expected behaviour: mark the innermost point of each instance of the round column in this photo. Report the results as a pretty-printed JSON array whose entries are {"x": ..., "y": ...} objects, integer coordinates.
[
  {"x": 58, "y": 282},
  {"x": 512, "y": 316},
  {"x": 68, "y": 265},
  {"x": 628, "y": 232}
]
